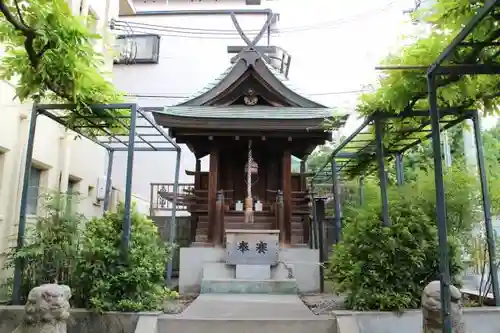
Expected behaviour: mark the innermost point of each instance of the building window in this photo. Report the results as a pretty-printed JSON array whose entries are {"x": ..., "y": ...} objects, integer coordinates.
[
  {"x": 33, "y": 191},
  {"x": 72, "y": 184},
  {"x": 71, "y": 195},
  {"x": 137, "y": 49}
]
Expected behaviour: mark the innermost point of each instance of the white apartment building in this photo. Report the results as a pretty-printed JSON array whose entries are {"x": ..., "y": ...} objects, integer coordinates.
[{"x": 60, "y": 161}]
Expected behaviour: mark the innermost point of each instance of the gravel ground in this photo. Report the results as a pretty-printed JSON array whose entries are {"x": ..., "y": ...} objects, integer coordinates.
[
  {"x": 176, "y": 306},
  {"x": 322, "y": 304}
]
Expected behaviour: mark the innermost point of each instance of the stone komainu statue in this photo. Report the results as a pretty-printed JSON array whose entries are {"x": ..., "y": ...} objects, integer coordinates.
[
  {"x": 431, "y": 309},
  {"x": 46, "y": 310}
]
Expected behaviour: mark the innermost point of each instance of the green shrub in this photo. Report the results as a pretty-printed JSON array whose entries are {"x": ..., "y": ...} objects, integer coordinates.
[
  {"x": 387, "y": 268},
  {"x": 51, "y": 245},
  {"x": 110, "y": 282}
]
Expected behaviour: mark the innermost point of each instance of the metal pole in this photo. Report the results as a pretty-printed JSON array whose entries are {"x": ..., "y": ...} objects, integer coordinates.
[
  {"x": 128, "y": 182},
  {"x": 444, "y": 268},
  {"x": 381, "y": 171},
  {"x": 320, "y": 216},
  {"x": 313, "y": 218},
  {"x": 490, "y": 240},
  {"x": 173, "y": 223},
  {"x": 336, "y": 200},
  {"x": 399, "y": 169},
  {"x": 361, "y": 191},
  {"x": 16, "y": 289},
  {"x": 107, "y": 194},
  {"x": 314, "y": 226}
]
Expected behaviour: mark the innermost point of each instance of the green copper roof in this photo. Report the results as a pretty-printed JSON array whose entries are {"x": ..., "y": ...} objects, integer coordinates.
[
  {"x": 249, "y": 112},
  {"x": 250, "y": 60}
]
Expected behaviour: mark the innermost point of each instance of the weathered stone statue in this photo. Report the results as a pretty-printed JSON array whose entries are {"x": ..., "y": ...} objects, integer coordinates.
[
  {"x": 431, "y": 309},
  {"x": 46, "y": 310}
]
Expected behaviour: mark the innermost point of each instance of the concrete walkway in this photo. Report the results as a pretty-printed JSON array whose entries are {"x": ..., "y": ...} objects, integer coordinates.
[
  {"x": 247, "y": 306},
  {"x": 246, "y": 313}
]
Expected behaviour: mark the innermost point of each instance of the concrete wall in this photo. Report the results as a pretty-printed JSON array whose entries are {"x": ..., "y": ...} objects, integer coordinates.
[
  {"x": 57, "y": 152},
  {"x": 81, "y": 321},
  {"x": 481, "y": 320}
]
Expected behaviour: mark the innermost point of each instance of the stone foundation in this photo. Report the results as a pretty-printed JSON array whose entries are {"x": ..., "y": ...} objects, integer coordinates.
[{"x": 193, "y": 264}]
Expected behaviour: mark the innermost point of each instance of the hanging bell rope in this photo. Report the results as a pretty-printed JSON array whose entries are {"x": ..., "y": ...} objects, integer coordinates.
[{"x": 249, "y": 200}]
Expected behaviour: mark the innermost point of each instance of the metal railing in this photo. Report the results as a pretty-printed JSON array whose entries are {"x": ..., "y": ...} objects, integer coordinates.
[{"x": 159, "y": 203}]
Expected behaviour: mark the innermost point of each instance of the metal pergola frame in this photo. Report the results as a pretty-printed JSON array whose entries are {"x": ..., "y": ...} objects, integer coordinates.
[
  {"x": 435, "y": 118},
  {"x": 435, "y": 70},
  {"x": 129, "y": 137},
  {"x": 354, "y": 156}
]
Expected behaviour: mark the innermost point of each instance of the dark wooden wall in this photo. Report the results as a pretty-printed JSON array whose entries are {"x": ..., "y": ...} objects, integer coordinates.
[{"x": 233, "y": 175}]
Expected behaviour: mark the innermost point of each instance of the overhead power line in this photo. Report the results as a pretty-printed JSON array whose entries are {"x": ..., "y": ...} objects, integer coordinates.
[
  {"x": 182, "y": 96},
  {"x": 188, "y": 32}
]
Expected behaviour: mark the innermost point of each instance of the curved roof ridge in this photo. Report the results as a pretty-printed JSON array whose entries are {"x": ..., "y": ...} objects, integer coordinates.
[{"x": 250, "y": 59}]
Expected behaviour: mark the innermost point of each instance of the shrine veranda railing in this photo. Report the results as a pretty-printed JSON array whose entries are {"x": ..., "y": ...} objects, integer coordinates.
[{"x": 159, "y": 203}]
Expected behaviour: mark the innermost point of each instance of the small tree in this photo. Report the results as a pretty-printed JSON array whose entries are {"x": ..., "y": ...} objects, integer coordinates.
[
  {"x": 51, "y": 247},
  {"x": 386, "y": 268},
  {"x": 477, "y": 250},
  {"x": 106, "y": 280}
]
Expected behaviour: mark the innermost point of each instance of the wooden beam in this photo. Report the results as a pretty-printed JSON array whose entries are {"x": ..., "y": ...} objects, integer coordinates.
[
  {"x": 212, "y": 192},
  {"x": 287, "y": 194}
]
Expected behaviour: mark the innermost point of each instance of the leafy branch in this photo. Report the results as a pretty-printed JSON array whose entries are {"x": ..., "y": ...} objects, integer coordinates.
[
  {"x": 29, "y": 34},
  {"x": 51, "y": 54},
  {"x": 406, "y": 90}
]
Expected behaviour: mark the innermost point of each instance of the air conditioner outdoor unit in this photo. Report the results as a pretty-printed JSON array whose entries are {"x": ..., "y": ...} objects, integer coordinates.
[{"x": 101, "y": 188}]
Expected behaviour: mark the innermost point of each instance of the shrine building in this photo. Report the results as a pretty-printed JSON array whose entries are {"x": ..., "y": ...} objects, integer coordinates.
[{"x": 251, "y": 123}]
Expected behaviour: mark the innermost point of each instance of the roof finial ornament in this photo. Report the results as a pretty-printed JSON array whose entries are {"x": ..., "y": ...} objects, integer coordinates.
[
  {"x": 250, "y": 98},
  {"x": 250, "y": 44}
]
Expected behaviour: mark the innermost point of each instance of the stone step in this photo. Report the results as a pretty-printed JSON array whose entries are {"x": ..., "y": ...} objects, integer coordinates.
[
  {"x": 297, "y": 239},
  {"x": 169, "y": 323},
  {"x": 246, "y": 313},
  {"x": 241, "y": 286},
  {"x": 255, "y": 225},
  {"x": 256, "y": 217},
  {"x": 203, "y": 231}
]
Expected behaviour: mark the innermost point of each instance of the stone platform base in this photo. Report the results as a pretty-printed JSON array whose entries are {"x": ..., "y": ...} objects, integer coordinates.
[
  {"x": 194, "y": 260},
  {"x": 219, "y": 278},
  {"x": 239, "y": 286}
]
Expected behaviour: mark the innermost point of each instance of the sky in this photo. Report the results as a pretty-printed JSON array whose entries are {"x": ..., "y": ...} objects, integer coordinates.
[
  {"x": 340, "y": 52},
  {"x": 344, "y": 43}
]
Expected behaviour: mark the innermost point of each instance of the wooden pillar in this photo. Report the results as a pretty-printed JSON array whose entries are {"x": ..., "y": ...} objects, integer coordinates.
[
  {"x": 280, "y": 216},
  {"x": 219, "y": 219},
  {"x": 197, "y": 175},
  {"x": 212, "y": 192},
  {"x": 303, "y": 181},
  {"x": 287, "y": 194},
  {"x": 197, "y": 186},
  {"x": 229, "y": 169}
]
